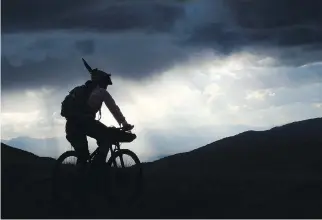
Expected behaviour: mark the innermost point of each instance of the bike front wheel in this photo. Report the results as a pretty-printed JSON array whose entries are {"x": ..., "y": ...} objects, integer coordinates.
[{"x": 126, "y": 180}]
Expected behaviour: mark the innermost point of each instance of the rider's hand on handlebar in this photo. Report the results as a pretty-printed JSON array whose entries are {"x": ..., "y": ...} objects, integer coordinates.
[{"x": 126, "y": 126}]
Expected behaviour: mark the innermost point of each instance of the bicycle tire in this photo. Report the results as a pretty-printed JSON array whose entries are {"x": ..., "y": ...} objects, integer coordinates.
[
  {"x": 62, "y": 192},
  {"x": 138, "y": 182},
  {"x": 60, "y": 159}
]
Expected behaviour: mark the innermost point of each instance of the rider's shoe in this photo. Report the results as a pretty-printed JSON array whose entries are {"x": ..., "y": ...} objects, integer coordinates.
[{"x": 127, "y": 127}]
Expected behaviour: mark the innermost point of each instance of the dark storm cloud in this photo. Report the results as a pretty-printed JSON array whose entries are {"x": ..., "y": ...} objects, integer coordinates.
[
  {"x": 263, "y": 23},
  {"x": 96, "y": 15},
  {"x": 227, "y": 39},
  {"x": 130, "y": 60},
  {"x": 300, "y": 55},
  {"x": 33, "y": 74},
  {"x": 224, "y": 25},
  {"x": 273, "y": 14},
  {"x": 215, "y": 35},
  {"x": 23, "y": 20},
  {"x": 86, "y": 47}
]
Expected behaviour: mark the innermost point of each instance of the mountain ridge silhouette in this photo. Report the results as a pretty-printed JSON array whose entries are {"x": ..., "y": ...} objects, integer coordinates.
[{"x": 275, "y": 173}]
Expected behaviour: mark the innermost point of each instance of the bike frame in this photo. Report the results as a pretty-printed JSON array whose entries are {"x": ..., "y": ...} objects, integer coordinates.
[
  {"x": 113, "y": 151},
  {"x": 117, "y": 147}
]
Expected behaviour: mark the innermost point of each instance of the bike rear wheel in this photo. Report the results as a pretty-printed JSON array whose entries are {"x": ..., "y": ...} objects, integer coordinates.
[{"x": 126, "y": 176}]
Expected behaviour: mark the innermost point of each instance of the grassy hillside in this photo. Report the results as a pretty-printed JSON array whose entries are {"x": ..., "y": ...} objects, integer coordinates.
[{"x": 256, "y": 174}]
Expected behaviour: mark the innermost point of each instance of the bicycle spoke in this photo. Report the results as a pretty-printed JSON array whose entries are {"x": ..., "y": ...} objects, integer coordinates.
[
  {"x": 124, "y": 162},
  {"x": 70, "y": 161}
]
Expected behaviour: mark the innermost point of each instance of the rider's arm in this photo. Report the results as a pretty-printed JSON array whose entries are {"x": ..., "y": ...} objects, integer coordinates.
[{"x": 112, "y": 106}]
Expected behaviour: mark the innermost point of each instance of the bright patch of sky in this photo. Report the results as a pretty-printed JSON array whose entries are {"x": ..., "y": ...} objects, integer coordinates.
[{"x": 192, "y": 104}]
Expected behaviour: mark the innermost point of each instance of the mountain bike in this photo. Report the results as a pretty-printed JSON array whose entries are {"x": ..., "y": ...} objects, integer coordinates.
[{"x": 118, "y": 178}]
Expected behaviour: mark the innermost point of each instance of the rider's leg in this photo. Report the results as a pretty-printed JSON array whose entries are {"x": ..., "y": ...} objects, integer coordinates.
[
  {"x": 103, "y": 134},
  {"x": 102, "y": 151},
  {"x": 78, "y": 140},
  {"x": 79, "y": 143}
]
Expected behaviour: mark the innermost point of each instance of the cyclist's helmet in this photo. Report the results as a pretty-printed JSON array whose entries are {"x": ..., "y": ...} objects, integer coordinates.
[{"x": 101, "y": 77}]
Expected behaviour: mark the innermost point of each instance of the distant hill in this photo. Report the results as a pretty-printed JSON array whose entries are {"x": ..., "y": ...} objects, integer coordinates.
[
  {"x": 15, "y": 155},
  {"x": 256, "y": 174},
  {"x": 39, "y": 146}
]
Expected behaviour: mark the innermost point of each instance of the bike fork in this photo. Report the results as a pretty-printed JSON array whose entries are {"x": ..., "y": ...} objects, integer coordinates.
[
  {"x": 117, "y": 147},
  {"x": 122, "y": 161}
]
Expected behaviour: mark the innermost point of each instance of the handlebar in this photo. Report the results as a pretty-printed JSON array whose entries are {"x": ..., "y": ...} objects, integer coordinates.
[{"x": 126, "y": 129}]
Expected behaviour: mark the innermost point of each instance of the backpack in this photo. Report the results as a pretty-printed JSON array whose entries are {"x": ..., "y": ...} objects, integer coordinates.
[{"x": 75, "y": 103}]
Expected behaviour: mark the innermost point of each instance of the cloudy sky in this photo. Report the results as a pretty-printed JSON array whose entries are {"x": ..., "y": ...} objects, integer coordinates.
[{"x": 185, "y": 73}]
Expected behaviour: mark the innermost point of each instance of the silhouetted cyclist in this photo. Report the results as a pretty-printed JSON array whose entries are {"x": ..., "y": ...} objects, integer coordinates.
[{"x": 80, "y": 108}]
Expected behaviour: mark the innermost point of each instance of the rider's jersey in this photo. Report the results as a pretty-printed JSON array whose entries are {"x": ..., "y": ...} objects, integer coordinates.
[{"x": 96, "y": 99}]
